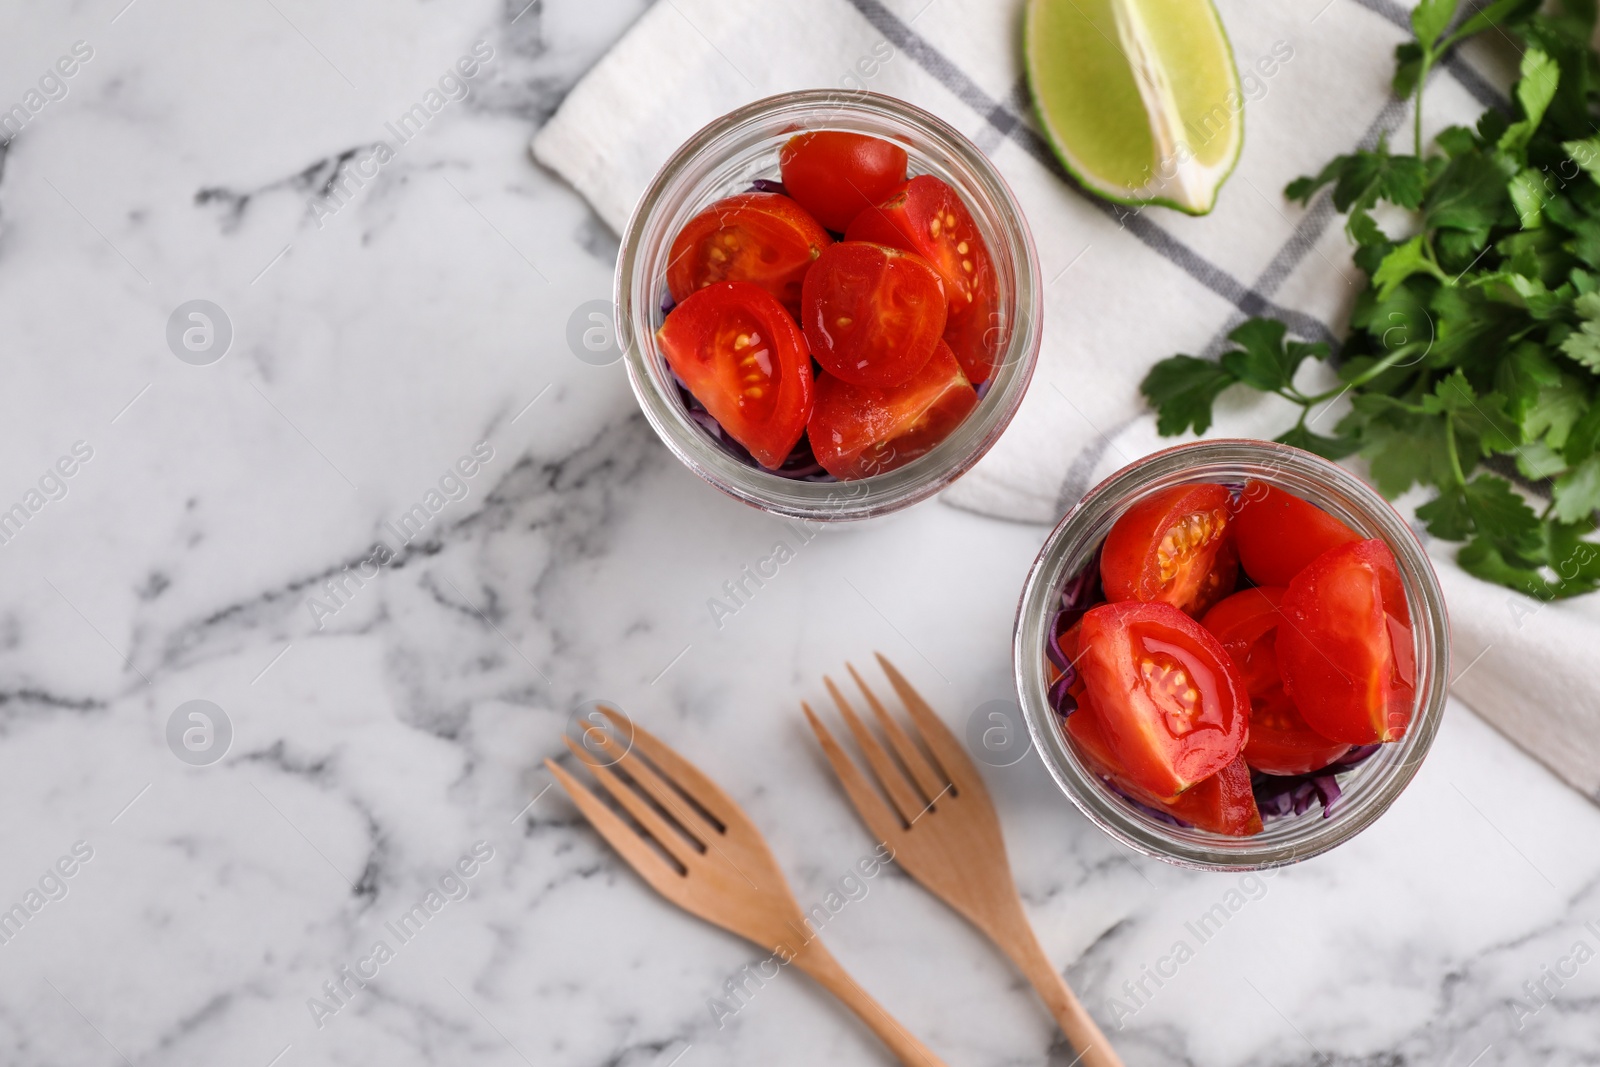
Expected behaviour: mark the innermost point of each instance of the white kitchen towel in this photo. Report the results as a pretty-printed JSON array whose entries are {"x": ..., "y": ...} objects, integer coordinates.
[{"x": 1125, "y": 287}]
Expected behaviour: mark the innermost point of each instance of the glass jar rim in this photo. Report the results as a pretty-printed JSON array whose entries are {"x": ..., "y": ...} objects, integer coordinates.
[
  {"x": 1371, "y": 786},
  {"x": 997, "y": 212}
]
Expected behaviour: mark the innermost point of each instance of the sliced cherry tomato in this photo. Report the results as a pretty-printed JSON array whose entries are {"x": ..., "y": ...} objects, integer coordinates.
[
  {"x": 837, "y": 175},
  {"x": 1344, "y": 650},
  {"x": 927, "y": 217},
  {"x": 1244, "y": 623},
  {"x": 979, "y": 336},
  {"x": 1175, "y": 547},
  {"x": 1174, "y": 707},
  {"x": 1222, "y": 803},
  {"x": 857, "y": 431},
  {"x": 764, "y": 238},
  {"x": 872, "y": 313},
  {"x": 743, "y": 357},
  {"x": 1280, "y": 741},
  {"x": 1278, "y": 533}
]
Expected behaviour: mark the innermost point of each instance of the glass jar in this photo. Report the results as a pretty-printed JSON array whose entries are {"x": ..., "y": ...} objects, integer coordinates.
[
  {"x": 1367, "y": 788},
  {"x": 727, "y": 157}
]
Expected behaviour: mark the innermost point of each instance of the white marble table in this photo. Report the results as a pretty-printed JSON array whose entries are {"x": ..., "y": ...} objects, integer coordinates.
[{"x": 381, "y": 735}]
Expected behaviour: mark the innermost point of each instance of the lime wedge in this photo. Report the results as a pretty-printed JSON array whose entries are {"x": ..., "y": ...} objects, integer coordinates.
[{"x": 1139, "y": 98}]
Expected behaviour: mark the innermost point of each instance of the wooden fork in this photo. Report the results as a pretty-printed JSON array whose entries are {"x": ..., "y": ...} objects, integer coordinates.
[
  {"x": 944, "y": 831},
  {"x": 720, "y": 869}
]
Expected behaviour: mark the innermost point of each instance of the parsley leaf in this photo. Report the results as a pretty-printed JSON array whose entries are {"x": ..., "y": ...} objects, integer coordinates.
[
  {"x": 1429, "y": 18},
  {"x": 1263, "y": 360},
  {"x": 1406, "y": 259},
  {"x": 1535, "y": 90},
  {"x": 1577, "y": 493},
  {"x": 1583, "y": 345},
  {"x": 1183, "y": 389}
]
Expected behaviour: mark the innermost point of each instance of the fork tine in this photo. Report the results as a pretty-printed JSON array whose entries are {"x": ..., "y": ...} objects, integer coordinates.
[
  {"x": 671, "y": 842},
  {"x": 936, "y": 735},
  {"x": 869, "y": 805},
  {"x": 681, "y": 773},
  {"x": 695, "y": 822},
  {"x": 890, "y": 777},
  {"x": 622, "y": 837},
  {"x": 928, "y": 780}
]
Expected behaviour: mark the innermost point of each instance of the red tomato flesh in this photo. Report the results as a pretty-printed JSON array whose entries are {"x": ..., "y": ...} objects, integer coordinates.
[
  {"x": 1222, "y": 803},
  {"x": 742, "y": 356},
  {"x": 1174, "y": 707},
  {"x": 837, "y": 175},
  {"x": 1280, "y": 741},
  {"x": 1278, "y": 533},
  {"x": 872, "y": 314},
  {"x": 927, "y": 217},
  {"x": 1345, "y": 649},
  {"x": 857, "y": 431},
  {"x": 763, "y": 238},
  {"x": 1175, "y": 547}
]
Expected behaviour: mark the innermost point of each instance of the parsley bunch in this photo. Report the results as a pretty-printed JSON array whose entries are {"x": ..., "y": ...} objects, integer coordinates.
[{"x": 1475, "y": 344}]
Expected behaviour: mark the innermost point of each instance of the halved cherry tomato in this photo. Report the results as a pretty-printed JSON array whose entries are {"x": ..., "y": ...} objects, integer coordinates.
[
  {"x": 1174, "y": 707},
  {"x": 1175, "y": 547},
  {"x": 927, "y": 217},
  {"x": 1278, "y": 533},
  {"x": 977, "y": 337},
  {"x": 837, "y": 175},
  {"x": 873, "y": 314},
  {"x": 1344, "y": 649},
  {"x": 743, "y": 357},
  {"x": 764, "y": 238},
  {"x": 1222, "y": 803},
  {"x": 857, "y": 431},
  {"x": 1280, "y": 740}
]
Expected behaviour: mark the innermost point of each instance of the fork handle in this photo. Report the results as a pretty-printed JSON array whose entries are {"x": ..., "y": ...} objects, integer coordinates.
[
  {"x": 816, "y": 961},
  {"x": 1022, "y": 945}
]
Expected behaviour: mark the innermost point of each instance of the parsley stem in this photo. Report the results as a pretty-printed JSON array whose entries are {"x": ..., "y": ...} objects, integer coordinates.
[
  {"x": 1365, "y": 376},
  {"x": 1455, "y": 455},
  {"x": 1422, "y": 80}
]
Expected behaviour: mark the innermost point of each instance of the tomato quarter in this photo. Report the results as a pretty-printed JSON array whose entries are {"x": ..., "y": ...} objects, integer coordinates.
[
  {"x": 742, "y": 356},
  {"x": 927, "y": 217},
  {"x": 857, "y": 431},
  {"x": 1174, "y": 707},
  {"x": 1278, "y": 533},
  {"x": 1280, "y": 741},
  {"x": 872, "y": 314},
  {"x": 1175, "y": 547},
  {"x": 763, "y": 238},
  {"x": 1345, "y": 647},
  {"x": 837, "y": 175},
  {"x": 1222, "y": 803}
]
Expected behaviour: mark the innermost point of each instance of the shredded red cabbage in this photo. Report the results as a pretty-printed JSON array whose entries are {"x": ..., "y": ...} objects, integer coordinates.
[
  {"x": 767, "y": 185},
  {"x": 1052, "y": 648},
  {"x": 1082, "y": 590},
  {"x": 1278, "y": 795},
  {"x": 1060, "y": 696},
  {"x": 1080, "y": 593}
]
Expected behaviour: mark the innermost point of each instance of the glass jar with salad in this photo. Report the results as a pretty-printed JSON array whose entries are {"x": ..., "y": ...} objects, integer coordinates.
[
  {"x": 828, "y": 304},
  {"x": 1232, "y": 655}
]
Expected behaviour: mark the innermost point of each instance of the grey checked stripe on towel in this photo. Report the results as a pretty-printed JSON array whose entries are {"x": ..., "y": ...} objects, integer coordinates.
[{"x": 1125, "y": 287}]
